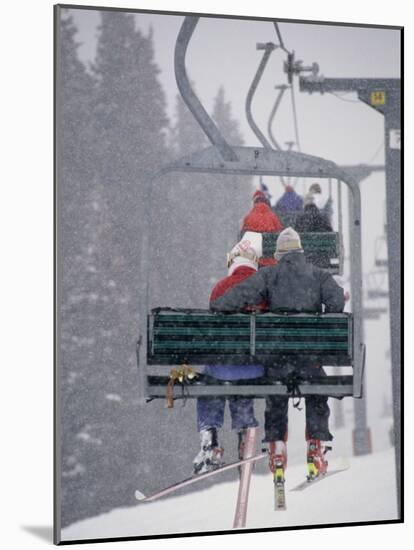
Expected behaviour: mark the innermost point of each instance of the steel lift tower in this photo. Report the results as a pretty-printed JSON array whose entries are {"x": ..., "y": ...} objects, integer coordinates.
[{"x": 383, "y": 95}]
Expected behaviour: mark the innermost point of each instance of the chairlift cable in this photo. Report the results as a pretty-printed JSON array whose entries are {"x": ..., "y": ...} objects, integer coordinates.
[
  {"x": 283, "y": 47},
  {"x": 292, "y": 92},
  {"x": 279, "y": 35},
  {"x": 295, "y": 122}
]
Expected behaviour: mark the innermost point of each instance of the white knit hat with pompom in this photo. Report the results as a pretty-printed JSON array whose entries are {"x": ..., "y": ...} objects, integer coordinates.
[{"x": 246, "y": 252}]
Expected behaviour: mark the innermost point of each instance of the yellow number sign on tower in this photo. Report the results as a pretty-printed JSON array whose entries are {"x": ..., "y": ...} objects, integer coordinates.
[{"x": 378, "y": 97}]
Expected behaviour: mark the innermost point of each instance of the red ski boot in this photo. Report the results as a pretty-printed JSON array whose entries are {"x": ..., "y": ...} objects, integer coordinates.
[
  {"x": 277, "y": 457},
  {"x": 317, "y": 463},
  {"x": 277, "y": 465}
]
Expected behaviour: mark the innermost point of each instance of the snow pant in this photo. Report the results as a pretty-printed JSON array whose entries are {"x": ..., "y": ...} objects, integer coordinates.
[
  {"x": 210, "y": 412},
  {"x": 317, "y": 409}
]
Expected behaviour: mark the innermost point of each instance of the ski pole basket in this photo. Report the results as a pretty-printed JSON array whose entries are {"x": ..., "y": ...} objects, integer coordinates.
[{"x": 201, "y": 337}]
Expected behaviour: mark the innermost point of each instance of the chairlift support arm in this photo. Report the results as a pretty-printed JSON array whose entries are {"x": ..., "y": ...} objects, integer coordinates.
[
  {"x": 188, "y": 94},
  {"x": 268, "y": 49},
  {"x": 282, "y": 90}
]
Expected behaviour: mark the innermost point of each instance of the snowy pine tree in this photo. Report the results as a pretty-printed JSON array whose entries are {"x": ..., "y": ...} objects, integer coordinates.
[
  {"x": 130, "y": 124},
  {"x": 113, "y": 131},
  {"x": 203, "y": 217},
  {"x": 233, "y": 199},
  {"x": 182, "y": 221},
  {"x": 78, "y": 284},
  {"x": 112, "y": 136}
]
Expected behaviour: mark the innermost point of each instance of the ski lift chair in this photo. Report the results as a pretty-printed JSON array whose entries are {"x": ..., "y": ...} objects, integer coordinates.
[{"x": 187, "y": 339}]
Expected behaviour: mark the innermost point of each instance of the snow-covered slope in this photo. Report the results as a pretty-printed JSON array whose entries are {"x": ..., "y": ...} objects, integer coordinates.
[{"x": 361, "y": 493}]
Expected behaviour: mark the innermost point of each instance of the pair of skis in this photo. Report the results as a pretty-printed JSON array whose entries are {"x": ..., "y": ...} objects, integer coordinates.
[
  {"x": 196, "y": 478},
  {"x": 246, "y": 467}
]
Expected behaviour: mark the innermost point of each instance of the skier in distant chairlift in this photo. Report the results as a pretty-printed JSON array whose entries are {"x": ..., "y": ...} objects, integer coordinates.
[
  {"x": 293, "y": 285},
  {"x": 290, "y": 201},
  {"x": 261, "y": 219},
  {"x": 242, "y": 263},
  {"x": 312, "y": 220},
  {"x": 289, "y": 206}
]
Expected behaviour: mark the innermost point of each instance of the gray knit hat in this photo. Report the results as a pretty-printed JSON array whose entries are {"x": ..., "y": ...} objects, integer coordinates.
[
  {"x": 309, "y": 199},
  {"x": 288, "y": 241}
]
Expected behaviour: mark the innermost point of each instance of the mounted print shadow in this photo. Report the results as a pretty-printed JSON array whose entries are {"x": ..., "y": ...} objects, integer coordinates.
[{"x": 228, "y": 197}]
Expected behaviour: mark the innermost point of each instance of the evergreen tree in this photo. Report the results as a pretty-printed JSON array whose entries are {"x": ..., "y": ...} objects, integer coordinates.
[
  {"x": 130, "y": 124},
  {"x": 172, "y": 197},
  {"x": 223, "y": 117},
  {"x": 232, "y": 200},
  {"x": 73, "y": 145},
  {"x": 112, "y": 137},
  {"x": 187, "y": 135},
  {"x": 187, "y": 224},
  {"x": 205, "y": 212},
  {"x": 77, "y": 283}
]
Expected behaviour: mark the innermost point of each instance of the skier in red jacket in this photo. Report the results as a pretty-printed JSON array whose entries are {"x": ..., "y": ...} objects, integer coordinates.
[
  {"x": 242, "y": 262},
  {"x": 261, "y": 217}
]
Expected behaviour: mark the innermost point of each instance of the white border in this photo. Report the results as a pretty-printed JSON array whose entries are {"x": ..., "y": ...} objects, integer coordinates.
[{"x": 26, "y": 236}]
